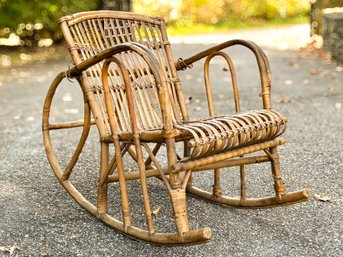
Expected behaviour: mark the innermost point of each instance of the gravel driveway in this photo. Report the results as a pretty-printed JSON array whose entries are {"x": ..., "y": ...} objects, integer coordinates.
[{"x": 38, "y": 218}]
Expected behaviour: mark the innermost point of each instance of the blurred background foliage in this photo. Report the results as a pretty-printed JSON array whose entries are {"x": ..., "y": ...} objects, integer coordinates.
[
  {"x": 215, "y": 15},
  {"x": 35, "y": 22},
  {"x": 209, "y": 11}
]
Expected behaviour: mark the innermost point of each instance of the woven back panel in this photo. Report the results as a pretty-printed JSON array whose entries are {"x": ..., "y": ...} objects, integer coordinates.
[{"x": 92, "y": 34}]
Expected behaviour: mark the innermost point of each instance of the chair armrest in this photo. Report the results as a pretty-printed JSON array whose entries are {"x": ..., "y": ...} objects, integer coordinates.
[
  {"x": 79, "y": 68},
  {"x": 261, "y": 59}
]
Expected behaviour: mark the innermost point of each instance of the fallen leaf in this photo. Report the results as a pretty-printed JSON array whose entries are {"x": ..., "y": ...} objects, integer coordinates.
[
  {"x": 9, "y": 250},
  {"x": 5, "y": 60},
  {"x": 13, "y": 249},
  {"x": 331, "y": 89},
  {"x": 314, "y": 49},
  {"x": 289, "y": 82},
  {"x": 24, "y": 74},
  {"x": 67, "y": 98},
  {"x": 324, "y": 74},
  {"x": 283, "y": 101},
  {"x": 156, "y": 211},
  {"x": 40, "y": 78},
  {"x": 306, "y": 81},
  {"x": 25, "y": 57},
  {"x": 314, "y": 72},
  {"x": 71, "y": 111},
  {"x": 322, "y": 198}
]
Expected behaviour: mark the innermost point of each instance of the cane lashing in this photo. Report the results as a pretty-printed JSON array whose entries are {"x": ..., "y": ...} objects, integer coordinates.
[{"x": 227, "y": 132}]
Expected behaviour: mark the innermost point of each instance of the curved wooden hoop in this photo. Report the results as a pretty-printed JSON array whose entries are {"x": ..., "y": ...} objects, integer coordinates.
[
  {"x": 191, "y": 237},
  {"x": 287, "y": 198}
]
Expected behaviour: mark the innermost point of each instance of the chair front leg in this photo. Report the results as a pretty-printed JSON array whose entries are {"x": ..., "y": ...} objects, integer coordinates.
[
  {"x": 102, "y": 185},
  {"x": 175, "y": 180},
  {"x": 177, "y": 191},
  {"x": 279, "y": 185}
]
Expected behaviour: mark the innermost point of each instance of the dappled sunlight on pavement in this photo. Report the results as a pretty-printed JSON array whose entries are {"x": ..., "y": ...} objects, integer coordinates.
[{"x": 280, "y": 38}]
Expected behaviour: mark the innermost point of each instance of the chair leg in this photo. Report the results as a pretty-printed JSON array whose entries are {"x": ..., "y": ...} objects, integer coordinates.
[
  {"x": 243, "y": 183},
  {"x": 177, "y": 192},
  {"x": 279, "y": 185},
  {"x": 217, "y": 190},
  {"x": 178, "y": 200},
  {"x": 281, "y": 197},
  {"x": 187, "y": 153},
  {"x": 102, "y": 187},
  {"x": 122, "y": 183},
  {"x": 144, "y": 187}
]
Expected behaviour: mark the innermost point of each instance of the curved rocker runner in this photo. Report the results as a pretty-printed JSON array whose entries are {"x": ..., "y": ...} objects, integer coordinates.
[{"x": 133, "y": 95}]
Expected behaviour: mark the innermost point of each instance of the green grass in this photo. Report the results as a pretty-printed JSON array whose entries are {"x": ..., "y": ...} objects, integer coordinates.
[{"x": 232, "y": 24}]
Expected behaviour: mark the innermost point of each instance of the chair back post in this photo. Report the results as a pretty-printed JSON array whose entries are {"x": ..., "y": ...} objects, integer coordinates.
[
  {"x": 177, "y": 82},
  {"x": 84, "y": 84}
]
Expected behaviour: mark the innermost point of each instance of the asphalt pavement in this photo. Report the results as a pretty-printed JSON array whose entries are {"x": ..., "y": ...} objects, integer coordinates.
[{"x": 39, "y": 218}]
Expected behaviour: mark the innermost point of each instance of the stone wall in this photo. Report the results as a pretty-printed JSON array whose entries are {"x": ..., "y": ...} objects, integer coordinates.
[
  {"x": 317, "y": 7},
  {"x": 332, "y": 32},
  {"x": 117, "y": 5}
]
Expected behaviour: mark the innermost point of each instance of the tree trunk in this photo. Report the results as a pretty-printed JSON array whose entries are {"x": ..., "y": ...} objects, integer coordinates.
[{"x": 116, "y": 5}]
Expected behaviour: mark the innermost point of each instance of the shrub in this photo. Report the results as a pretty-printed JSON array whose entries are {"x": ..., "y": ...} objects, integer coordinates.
[{"x": 34, "y": 20}]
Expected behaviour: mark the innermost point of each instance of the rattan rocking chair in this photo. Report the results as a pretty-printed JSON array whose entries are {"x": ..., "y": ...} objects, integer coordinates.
[{"x": 132, "y": 93}]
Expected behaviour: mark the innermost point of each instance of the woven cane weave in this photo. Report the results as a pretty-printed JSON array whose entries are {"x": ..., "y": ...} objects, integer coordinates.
[{"x": 227, "y": 132}]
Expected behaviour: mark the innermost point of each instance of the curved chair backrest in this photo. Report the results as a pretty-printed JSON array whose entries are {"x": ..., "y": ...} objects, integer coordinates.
[{"x": 90, "y": 33}]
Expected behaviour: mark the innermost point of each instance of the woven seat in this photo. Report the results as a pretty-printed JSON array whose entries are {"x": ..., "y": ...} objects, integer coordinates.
[
  {"x": 133, "y": 95},
  {"x": 227, "y": 132}
]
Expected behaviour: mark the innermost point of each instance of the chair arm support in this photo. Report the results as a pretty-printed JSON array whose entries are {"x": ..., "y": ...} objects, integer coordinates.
[
  {"x": 261, "y": 59},
  {"x": 154, "y": 66},
  {"x": 110, "y": 110}
]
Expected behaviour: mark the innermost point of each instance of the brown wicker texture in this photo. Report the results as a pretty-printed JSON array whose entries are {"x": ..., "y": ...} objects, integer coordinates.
[{"x": 132, "y": 93}]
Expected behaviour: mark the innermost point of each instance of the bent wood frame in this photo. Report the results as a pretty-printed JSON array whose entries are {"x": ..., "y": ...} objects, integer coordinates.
[{"x": 209, "y": 144}]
